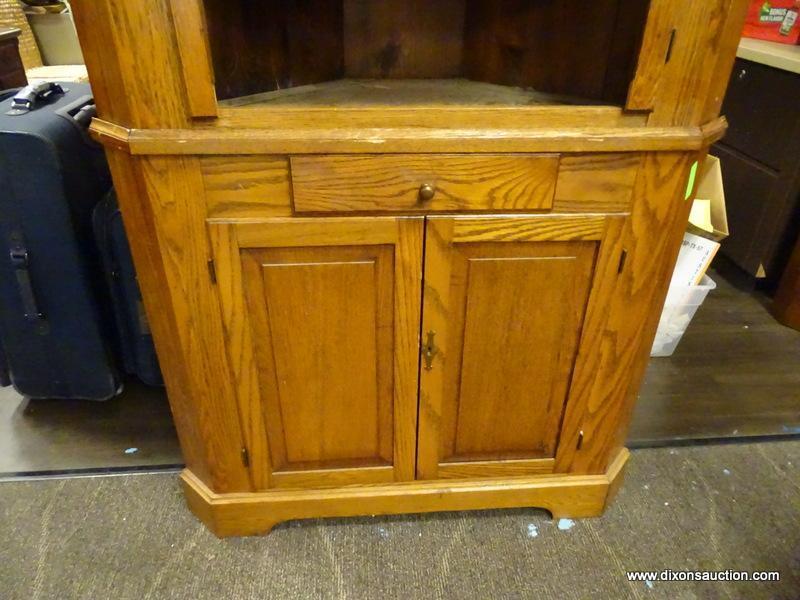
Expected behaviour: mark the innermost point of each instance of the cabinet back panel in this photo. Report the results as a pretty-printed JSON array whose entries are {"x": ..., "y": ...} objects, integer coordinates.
[
  {"x": 325, "y": 351},
  {"x": 260, "y": 45},
  {"x": 519, "y": 309},
  {"x": 566, "y": 47},
  {"x": 408, "y": 38}
]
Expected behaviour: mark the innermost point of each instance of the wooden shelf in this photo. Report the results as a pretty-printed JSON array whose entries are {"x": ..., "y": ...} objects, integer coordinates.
[{"x": 405, "y": 92}]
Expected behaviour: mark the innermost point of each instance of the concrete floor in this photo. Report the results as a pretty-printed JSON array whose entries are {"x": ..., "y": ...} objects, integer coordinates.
[{"x": 734, "y": 374}]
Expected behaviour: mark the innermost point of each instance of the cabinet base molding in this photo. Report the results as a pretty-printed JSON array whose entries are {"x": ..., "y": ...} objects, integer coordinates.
[{"x": 573, "y": 496}]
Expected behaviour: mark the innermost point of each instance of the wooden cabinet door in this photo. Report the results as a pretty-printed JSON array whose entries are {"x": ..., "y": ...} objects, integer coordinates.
[
  {"x": 322, "y": 326},
  {"x": 504, "y": 300}
]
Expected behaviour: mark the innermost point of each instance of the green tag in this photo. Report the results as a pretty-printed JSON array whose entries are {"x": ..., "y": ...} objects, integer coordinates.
[{"x": 692, "y": 177}]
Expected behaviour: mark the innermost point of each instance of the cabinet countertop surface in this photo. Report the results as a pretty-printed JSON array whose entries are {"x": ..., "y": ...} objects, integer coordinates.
[{"x": 772, "y": 54}]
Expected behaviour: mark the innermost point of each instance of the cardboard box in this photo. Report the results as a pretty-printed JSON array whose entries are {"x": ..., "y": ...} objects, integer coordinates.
[
  {"x": 709, "y": 219},
  {"x": 773, "y": 20}
]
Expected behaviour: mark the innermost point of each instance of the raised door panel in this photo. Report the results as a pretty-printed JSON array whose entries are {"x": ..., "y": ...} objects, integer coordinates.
[
  {"x": 504, "y": 302},
  {"x": 328, "y": 361},
  {"x": 328, "y": 317}
]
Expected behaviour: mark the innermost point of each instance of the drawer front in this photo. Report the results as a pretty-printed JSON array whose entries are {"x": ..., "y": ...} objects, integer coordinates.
[
  {"x": 752, "y": 210},
  {"x": 433, "y": 182}
]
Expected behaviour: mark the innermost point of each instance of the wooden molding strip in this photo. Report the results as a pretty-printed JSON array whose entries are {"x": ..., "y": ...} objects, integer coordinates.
[
  {"x": 110, "y": 134},
  {"x": 713, "y": 131},
  {"x": 209, "y": 141},
  {"x": 253, "y": 513},
  {"x": 294, "y": 141}
]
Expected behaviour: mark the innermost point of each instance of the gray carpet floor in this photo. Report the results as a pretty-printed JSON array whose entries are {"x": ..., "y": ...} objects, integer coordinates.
[{"x": 713, "y": 507}]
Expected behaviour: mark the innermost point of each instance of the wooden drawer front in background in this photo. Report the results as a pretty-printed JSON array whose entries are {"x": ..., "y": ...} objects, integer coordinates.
[
  {"x": 424, "y": 182},
  {"x": 761, "y": 115}
]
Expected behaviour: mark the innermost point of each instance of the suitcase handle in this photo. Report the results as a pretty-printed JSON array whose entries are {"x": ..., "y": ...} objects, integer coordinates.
[
  {"x": 80, "y": 112},
  {"x": 29, "y": 97},
  {"x": 19, "y": 260},
  {"x": 5, "y": 376},
  {"x": 6, "y": 94}
]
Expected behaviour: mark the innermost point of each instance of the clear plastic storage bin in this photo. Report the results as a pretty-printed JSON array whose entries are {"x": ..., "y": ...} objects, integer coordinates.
[{"x": 679, "y": 308}]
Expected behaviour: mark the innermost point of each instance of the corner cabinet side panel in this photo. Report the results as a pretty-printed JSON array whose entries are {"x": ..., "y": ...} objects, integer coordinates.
[
  {"x": 133, "y": 61},
  {"x": 165, "y": 223},
  {"x": 322, "y": 323},
  {"x": 623, "y": 314},
  {"x": 686, "y": 59}
]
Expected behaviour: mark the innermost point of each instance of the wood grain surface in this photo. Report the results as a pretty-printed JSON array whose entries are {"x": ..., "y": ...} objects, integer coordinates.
[
  {"x": 250, "y": 514},
  {"x": 686, "y": 59},
  {"x": 247, "y": 186},
  {"x": 505, "y": 298},
  {"x": 403, "y": 93},
  {"x": 392, "y": 182},
  {"x": 291, "y": 344},
  {"x": 299, "y": 136},
  {"x": 191, "y": 33},
  {"x": 334, "y": 378},
  {"x": 410, "y": 39},
  {"x": 622, "y": 314},
  {"x": 133, "y": 61},
  {"x": 596, "y": 182},
  {"x": 167, "y": 229}
]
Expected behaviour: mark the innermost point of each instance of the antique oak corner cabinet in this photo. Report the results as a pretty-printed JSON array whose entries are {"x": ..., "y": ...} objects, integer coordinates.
[{"x": 404, "y": 255}]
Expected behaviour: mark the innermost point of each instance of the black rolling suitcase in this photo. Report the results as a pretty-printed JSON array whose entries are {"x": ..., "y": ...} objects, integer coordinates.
[
  {"x": 55, "y": 321},
  {"x": 136, "y": 343}
]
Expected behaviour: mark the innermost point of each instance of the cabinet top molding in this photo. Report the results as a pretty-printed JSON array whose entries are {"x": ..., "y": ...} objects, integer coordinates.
[{"x": 378, "y": 141}]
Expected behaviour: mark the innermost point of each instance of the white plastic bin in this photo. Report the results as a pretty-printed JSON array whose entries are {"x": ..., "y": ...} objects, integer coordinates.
[{"x": 681, "y": 304}]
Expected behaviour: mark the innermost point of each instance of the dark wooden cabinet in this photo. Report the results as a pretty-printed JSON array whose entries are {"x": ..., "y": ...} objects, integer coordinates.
[
  {"x": 786, "y": 307},
  {"x": 12, "y": 71},
  {"x": 761, "y": 167}
]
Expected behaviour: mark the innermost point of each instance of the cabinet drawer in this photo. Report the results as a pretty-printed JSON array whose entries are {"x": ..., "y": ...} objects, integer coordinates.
[{"x": 433, "y": 182}]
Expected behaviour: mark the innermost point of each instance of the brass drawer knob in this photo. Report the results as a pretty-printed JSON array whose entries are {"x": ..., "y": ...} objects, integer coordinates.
[{"x": 426, "y": 192}]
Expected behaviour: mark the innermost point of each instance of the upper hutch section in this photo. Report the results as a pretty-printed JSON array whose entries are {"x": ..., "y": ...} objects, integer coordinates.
[
  {"x": 279, "y": 67},
  {"x": 424, "y": 52}
]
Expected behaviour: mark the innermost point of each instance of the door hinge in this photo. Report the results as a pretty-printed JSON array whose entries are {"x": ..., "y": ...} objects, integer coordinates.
[
  {"x": 429, "y": 350},
  {"x": 245, "y": 457},
  {"x": 580, "y": 440},
  {"x": 212, "y": 271}
]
